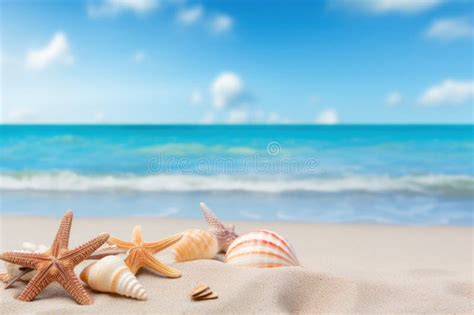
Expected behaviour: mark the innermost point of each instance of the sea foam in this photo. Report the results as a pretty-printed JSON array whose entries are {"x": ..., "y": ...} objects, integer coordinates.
[{"x": 453, "y": 185}]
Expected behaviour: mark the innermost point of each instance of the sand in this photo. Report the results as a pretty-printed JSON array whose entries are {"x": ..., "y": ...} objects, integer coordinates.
[{"x": 346, "y": 269}]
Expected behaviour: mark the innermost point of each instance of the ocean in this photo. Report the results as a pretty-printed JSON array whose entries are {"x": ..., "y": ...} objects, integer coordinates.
[{"x": 392, "y": 174}]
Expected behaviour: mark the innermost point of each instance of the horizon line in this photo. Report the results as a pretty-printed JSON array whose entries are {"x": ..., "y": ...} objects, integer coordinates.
[{"x": 243, "y": 124}]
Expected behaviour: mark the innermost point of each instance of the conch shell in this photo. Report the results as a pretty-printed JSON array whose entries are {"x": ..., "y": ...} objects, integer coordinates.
[
  {"x": 27, "y": 247},
  {"x": 261, "y": 249},
  {"x": 110, "y": 274},
  {"x": 195, "y": 244},
  {"x": 224, "y": 234}
]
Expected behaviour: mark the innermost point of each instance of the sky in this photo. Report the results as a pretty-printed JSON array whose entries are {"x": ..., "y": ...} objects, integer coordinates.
[{"x": 218, "y": 62}]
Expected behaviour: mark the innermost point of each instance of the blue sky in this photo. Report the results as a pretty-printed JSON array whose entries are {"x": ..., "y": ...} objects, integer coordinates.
[{"x": 150, "y": 61}]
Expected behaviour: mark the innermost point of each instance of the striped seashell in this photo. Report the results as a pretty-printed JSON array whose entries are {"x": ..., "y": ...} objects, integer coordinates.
[
  {"x": 27, "y": 247},
  {"x": 110, "y": 274},
  {"x": 195, "y": 244},
  {"x": 261, "y": 249}
]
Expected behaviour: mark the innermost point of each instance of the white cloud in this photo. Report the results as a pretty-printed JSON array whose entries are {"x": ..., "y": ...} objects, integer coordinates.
[
  {"x": 388, "y": 6},
  {"x": 226, "y": 90},
  {"x": 138, "y": 56},
  {"x": 190, "y": 15},
  {"x": 327, "y": 117},
  {"x": 115, "y": 7},
  {"x": 238, "y": 116},
  {"x": 196, "y": 97},
  {"x": 20, "y": 115},
  {"x": 393, "y": 98},
  {"x": 448, "y": 92},
  {"x": 450, "y": 28},
  {"x": 57, "y": 50},
  {"x": 222, "y": 23},
  {"x": 208, "y": 118}
]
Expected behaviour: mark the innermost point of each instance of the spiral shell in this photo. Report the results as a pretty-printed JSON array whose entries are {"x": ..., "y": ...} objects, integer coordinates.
[
  {"x": 27, "y": 247},
  {"x": 195, "y": 244},
  {"x": 224, "y": 234},
  {"x": 110, "y": 274},
  {"x": 261, "y": 249}
]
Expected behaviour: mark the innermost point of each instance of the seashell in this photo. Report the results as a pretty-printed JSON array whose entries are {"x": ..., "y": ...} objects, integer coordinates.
[
  {"x": 27, "y": 247},
  {"x": 200, "y": 289},
  {"x": 4, "y": 277},
  {"x": 203, "y": 292},
  {"x": 224, "y": 234},
  {"x": 31, "y": 247},
  {"x": 261, "y": 249},
  {"x": 195, "y": 244},
  {"x": 110, "y": 274},
  {"x": 210, "y": 296}
]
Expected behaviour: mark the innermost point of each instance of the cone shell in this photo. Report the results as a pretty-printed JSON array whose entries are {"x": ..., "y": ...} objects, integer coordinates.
[
  {"x": 110, "y": 274},
  {"x": 195, "y": 244},
  {"x": 224, "y": 234},
  {"x": 27, "y": 247},
  {"x": 261, "y": 249}
]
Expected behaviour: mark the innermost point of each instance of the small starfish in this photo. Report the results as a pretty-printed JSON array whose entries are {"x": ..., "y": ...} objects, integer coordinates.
[
  {"x": 57, "y": 264},
  {"x": 141, "y": 254},
  {"x": 225, "y": 235}
]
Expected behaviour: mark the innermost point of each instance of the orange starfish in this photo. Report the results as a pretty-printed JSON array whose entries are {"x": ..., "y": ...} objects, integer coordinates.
[
  {"x": 141, "y": 254},
  {"x": 57, "y": 264}
]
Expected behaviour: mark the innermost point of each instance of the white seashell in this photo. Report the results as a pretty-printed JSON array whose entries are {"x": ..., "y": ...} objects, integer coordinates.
[
  {"x": 27, "y": 247},
  {"x": 262, "y": 249},
  {"x": 34, "y": 248},
  {"x": 195, "y": 244},
  {"x": 110, "y": 274}
]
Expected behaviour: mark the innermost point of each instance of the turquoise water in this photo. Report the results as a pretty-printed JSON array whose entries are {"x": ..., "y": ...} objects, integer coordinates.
[{"x": 387, "y": 174}]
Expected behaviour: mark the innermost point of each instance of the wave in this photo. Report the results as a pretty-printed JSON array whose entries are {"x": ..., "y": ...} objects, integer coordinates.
[{"x": 456, "y": 185}]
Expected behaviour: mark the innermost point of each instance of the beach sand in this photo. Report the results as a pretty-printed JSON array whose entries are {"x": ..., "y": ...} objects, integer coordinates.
[{"x": 346, "y": 269}]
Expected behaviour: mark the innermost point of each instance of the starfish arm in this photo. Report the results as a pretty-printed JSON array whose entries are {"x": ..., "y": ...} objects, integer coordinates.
[
  {"x": 30, "y": 260},
  {"x": 134, "y": 261},
  {"x": 37, "y": 284},
  {"x": 61, "y": 241},
  {"x": 159, "y": 267},
  {"x": 160, "y": 245},
  {"x": 137, "y": 235},
  {"x": 82, "y": 252},
  {"x": 119, "y": 243},
  {"x": 70, "y": 283}
]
